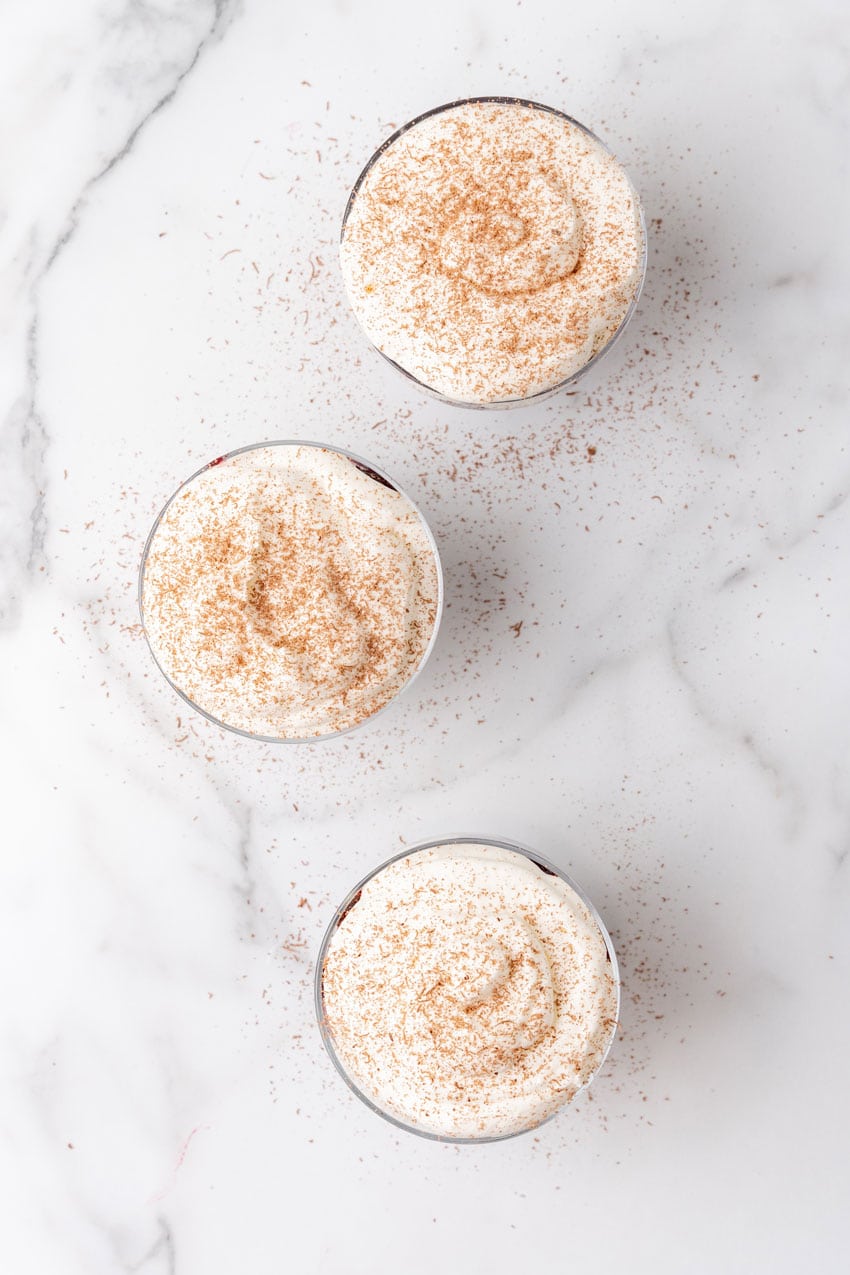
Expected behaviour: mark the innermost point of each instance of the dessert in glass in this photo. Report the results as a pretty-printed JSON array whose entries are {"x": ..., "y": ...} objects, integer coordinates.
[
  {"x": 493, "y": 250},
  {"x": 290, "y": 590},
  {"x": 467, "y": 989}
]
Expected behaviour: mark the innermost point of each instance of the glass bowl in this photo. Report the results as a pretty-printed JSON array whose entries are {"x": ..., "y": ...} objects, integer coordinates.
[
  {"x": 596, "y": 358},
  {"x": 365, "y": 466},
  {"x": 351, "y": 900}
]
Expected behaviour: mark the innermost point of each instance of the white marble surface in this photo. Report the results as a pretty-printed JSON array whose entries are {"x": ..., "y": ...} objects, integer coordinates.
[{"x": 670, "y": 721}]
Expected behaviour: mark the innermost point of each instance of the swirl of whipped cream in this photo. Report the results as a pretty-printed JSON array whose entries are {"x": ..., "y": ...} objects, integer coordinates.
[
  {"x": 491, "y": 249},
  {"x": 513, "y": 232},
  {"x": 290, "y": 592},
  {"x": 487, "y": 981},
  {"x": 466, "y": 992}
]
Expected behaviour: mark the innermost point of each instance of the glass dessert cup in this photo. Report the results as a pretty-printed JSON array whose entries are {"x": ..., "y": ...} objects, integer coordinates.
[
  {"x": 352, "y": 899},
  {"x": 596, "y": 357},
  {"x": 364, "y": 467}
]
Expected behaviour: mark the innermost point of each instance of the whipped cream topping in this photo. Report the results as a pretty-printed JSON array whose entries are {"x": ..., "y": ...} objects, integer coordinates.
[
  {"x": 289, "y": 592},
  {"x": 468, "y": 992},
  {"x": 492, "y": 249}
]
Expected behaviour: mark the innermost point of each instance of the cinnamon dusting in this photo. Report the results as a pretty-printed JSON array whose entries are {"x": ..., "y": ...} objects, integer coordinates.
[
  {"x": 492, "y": 249},
  {"x": 468, "y": 994},
  {"x": 289, "y": 594}
]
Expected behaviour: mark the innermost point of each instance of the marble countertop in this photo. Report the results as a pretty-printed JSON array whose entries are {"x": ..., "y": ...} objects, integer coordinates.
[{"x": 640, "y": 671}]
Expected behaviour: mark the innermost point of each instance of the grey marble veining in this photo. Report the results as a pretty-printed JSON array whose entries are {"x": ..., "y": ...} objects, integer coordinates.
[
  {"x": 641, "y": 670},
  {"x": 134, "y": 59}
]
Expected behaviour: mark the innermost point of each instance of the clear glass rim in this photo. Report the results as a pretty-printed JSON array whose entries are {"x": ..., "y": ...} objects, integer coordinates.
[
  {"x": 499, "y": 843},
  {"x": 361, "y": 462},
  {"x": 549, "y": 391}
]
